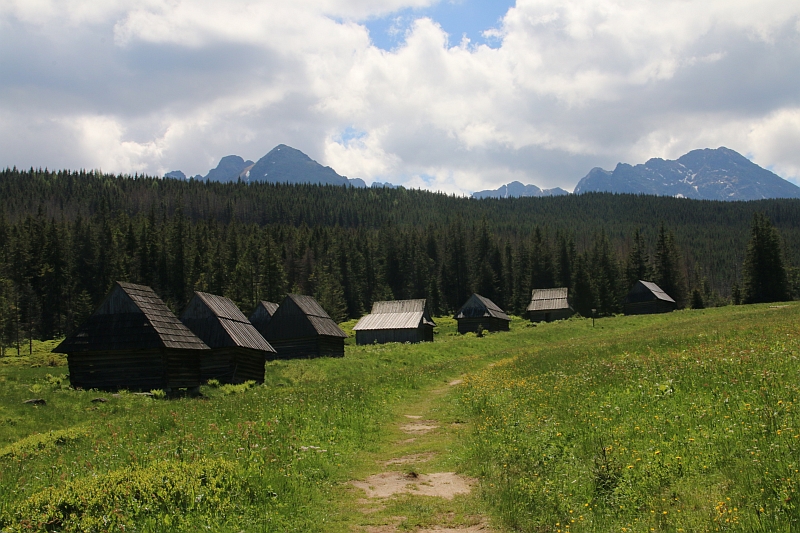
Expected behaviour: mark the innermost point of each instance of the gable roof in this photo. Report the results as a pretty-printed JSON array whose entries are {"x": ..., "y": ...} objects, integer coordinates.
[
  {"x": 643, "y": 287},
  {"x": 132, "y": 317},
  {"x": 262, "y": 314},
  {"x": 301, "y": 316},
  {"x": 220, "y": 324},
  {"x": 478, "y": 306},
  {"x": 396, "y": 314},
  {"x": 549, "y": 299}
]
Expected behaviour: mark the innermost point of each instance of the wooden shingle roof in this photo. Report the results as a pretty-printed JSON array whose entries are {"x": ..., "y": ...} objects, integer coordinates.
[
  {"x": 220, "y": 324},
  {"x": 262, "y": 314},
  {"x": 647, "y": 290},
  {"x": 132, "y": 317},
  {"x": 396, "y": 314},
  {"x": 549, "y": 299},
  {"x": 478, "y": 306},
  {"x": 301, "y": 316}
]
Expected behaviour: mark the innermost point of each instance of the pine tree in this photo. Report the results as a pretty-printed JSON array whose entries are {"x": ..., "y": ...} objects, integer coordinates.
[
  {"x": 605, "y": 276},
  {"x": 638, "y": 264},
  {"x": 583, "y": 297},
  {"x": 764, "y": 276},
  {"x": 521, "y": 285},
  {"x": 487, "y": 257},
  {"x": 328, "y": 290},
  {"x": 697, "y": 299},
  {"x": 542, "y": 271},
  {"x": 669, "y": 273},
  {"x": 566, "y": 258},
  {"x": 272, "y": 282}
]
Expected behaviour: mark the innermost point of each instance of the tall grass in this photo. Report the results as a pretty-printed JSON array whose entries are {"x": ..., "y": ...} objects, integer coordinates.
[
  {"x": 289, "y": 445},
  {"x": 686, "y": 422},
  {"x": 667, "y": 423}
]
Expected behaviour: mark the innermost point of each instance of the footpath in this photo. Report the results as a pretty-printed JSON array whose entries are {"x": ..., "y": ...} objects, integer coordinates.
[{"x": 412, "y": 483}]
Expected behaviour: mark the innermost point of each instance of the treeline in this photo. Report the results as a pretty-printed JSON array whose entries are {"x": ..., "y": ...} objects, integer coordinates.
[{"x": 67, "y": 236}]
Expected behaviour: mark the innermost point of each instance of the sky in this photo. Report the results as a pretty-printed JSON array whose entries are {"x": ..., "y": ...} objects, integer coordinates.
[{"x": 449, "y": 95}]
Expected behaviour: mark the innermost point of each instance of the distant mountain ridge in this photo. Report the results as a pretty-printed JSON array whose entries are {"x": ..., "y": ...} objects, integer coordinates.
[
  {"x": 230, "y": 168},
  {"x": 515, "y": 189},
  {"x": 705, "y": 174},
  {"x": 282, "y": 164}
]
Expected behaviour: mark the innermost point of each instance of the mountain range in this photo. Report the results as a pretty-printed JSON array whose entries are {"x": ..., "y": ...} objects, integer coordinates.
[
  {"x": 516, "y": 189},
  {"x": 283, "y": 164},
  {"x": 706, "y": 174}
]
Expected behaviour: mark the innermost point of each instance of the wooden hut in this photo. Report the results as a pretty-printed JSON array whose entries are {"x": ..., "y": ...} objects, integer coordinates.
[
  {"x": 133, "y": 341},
  {"x": 481, "y": 314},
  {"x": 549, "y": 304},
  {"x": 647, "y": 298},
  {"x": 396, "y": 321},
  {"x": 262, "y": 314},
  {"x": 238, "y": 352},
  {"x": 301, "y": 328}
]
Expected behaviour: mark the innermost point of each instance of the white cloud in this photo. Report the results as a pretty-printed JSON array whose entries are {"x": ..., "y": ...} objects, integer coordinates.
[
  {"x": 158, "y": 85},
  {"x": 775, "y": 139},
  {"x": 360, "y": 155}
]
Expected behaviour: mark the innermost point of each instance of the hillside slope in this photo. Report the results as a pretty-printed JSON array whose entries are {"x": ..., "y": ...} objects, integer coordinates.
[{"x": 720, "y": 174}]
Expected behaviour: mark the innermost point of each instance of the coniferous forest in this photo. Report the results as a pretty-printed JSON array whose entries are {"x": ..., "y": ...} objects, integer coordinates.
[{"x": 67, "y": 236}]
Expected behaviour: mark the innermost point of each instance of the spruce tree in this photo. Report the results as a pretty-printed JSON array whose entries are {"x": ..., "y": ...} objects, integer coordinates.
[
  {"x": 566, "y": 258},
  {"x": 583, "y": 296},
  {"x": 764, "y": 275},
  {"x": 272, "y": 281},
  {"x": 605, "y": 276},
  {"x": 736, "y": 294},
  {"x": 668, "y": 271},
  {"x": 638, "y": 264}
]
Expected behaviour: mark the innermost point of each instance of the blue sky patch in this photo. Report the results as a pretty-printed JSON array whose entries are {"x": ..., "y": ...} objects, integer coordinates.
[
  {"x": 456, "y": 17},
  {"x": 348, "y": 134}
]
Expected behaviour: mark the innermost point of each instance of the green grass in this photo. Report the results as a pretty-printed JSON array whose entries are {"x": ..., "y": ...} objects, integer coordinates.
[
  {"x": 673, "y": 422},
  {"x": 684, "y": 422},
  {"x": 341, "y": 406}
]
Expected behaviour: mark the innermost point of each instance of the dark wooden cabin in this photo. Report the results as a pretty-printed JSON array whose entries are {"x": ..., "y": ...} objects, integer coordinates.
[
  {"x": 238, "y": 352},
  {"x": 301, "y": 328},
  {"x": 262, "y": 314},
  {"x": 647, "y": 298},
  {"x": 133, "y": 341},
  {"x": 395, "y": 321},
  {"x": 549, "y": 304},
  {"x": 481, "y": 314}
]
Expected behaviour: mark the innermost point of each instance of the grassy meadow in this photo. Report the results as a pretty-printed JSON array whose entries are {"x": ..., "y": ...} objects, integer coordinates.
[{"x": 680, "y": 422}]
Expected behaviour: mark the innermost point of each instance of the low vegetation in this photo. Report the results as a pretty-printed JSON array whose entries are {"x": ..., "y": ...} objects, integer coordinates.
[
  {"x": 672, "y": 422},
  {"x": 680, "y": 423}
]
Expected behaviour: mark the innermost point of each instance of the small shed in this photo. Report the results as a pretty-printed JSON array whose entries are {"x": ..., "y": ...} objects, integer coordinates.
[
  {"x": 133, "y": 341},
  {"x": 396, "y": 321},
  {"x": 481, "y": 314},
  {"x": 301, "y": 328},
  {"x": 549, "y": 304},
  {"x": 238, "y": 351},
  {"x": 262, "y": 314},
  {"x": 647, "y": 298}
]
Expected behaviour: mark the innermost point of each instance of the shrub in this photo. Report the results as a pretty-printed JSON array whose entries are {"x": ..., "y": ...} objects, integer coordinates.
[
  {"x": 163, "y": 492},
  {"x": 236, "y": 389},
  {"x": 42, "y": 441}
]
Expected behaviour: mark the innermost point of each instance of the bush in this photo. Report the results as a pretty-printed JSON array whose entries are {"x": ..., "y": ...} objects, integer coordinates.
[
  {"x": 42, "y": 441},
  {"x": 236, "y": 389},
  {"x": 163, "y": 492}
]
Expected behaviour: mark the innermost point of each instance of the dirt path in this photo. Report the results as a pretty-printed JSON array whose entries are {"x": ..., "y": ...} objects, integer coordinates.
[{"x": 414, "y": 483}]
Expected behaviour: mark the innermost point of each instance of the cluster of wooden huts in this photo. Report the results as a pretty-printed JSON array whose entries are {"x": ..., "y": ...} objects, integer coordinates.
[
  {"x": 644, "y": 298},
  {"x": 133, "y": 340}
]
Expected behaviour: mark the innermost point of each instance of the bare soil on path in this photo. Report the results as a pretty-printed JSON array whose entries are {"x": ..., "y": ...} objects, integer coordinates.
[{"x": 415, "y": 484}]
